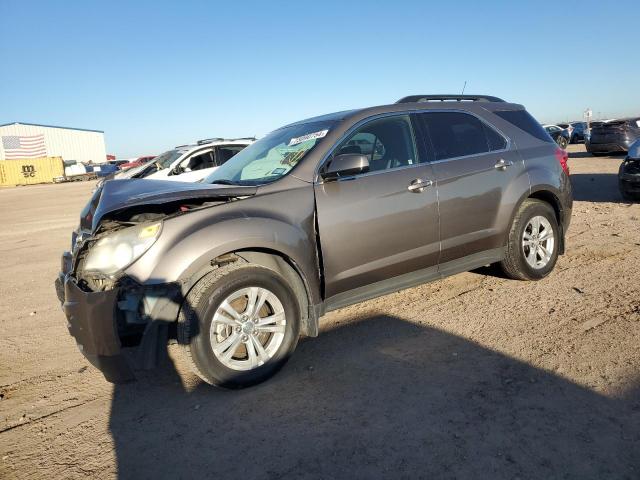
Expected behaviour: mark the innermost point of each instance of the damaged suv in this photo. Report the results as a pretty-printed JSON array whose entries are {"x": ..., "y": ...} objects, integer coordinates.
[
  {"x": 629, "y": 174},
  {"x": 317, "y": 215}
]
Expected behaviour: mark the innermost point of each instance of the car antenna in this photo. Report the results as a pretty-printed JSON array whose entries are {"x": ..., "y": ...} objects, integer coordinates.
[{"x": 463, "y": 87}]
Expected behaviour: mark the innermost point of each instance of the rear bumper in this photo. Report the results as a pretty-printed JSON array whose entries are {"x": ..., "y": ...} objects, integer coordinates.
[
  {"x": 607, "y": 147},
  {"x": 630, "y": 183}
]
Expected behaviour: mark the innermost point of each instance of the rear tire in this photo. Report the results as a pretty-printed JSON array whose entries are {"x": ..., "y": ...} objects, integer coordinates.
[
  {"x": 627, "y": 196},
  {"x": 231, "y": 345},
  {"x": 562, "y": 143},
  {"x": 534, "y": 239}
]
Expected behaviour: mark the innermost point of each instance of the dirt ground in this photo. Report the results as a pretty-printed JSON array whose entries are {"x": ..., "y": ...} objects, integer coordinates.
[{"x": 473, "y": 376}]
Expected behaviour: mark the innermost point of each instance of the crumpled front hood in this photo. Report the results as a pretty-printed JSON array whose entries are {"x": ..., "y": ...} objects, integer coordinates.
[{"x": 116, "y": 195}]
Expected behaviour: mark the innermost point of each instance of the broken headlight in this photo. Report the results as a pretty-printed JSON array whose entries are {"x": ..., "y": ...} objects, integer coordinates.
[{"x": 117, "y": 251}]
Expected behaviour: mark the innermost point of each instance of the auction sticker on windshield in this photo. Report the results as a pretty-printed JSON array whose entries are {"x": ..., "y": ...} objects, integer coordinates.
[{"x": 309, "y": 136}]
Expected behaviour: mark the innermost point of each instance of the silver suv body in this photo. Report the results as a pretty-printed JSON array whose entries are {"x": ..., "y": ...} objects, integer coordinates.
[{"x": 316, "y": 215}]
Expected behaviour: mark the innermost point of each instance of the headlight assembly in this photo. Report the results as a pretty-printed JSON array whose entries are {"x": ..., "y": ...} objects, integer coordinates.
[{"x": 117, "y": 251}]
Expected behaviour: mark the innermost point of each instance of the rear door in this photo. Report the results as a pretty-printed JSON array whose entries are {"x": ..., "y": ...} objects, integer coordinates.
[
  {"x": 378, "y": 225},
  {"x": 475, "y": 169}
]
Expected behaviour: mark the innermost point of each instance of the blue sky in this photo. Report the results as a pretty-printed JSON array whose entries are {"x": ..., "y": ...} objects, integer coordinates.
[{"x": 156, "y": 74}]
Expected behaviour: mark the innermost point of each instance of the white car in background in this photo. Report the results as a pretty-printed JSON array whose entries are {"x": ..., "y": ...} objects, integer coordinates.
[{"x": 188, "y": 163}]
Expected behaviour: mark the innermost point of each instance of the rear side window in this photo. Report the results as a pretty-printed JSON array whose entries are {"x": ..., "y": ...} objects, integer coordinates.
[
  {"x": 525, "y": 122},
  {"x": 494, "y": 139},
  {"x": 456, "y": 134},
  {"x": 225, "y": 153},
  {"x": 201, "y": 161}
]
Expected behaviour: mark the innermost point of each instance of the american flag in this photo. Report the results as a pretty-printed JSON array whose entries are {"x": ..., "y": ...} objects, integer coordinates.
[{"x": 24, "y": 146}]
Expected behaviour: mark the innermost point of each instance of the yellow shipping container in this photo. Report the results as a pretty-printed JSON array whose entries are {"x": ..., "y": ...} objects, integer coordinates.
[{"x": 29, "y": 171}]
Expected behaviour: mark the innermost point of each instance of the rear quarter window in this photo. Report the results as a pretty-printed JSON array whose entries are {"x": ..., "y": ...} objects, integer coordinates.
[
  {"x": 494, "y": 139},
  {"x": 525, "y": 122}
]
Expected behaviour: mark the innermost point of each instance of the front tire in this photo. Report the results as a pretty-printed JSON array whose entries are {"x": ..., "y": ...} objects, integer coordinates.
[
  {"x": 533, "y": 244},
  {"x": 239, "y": 325}
]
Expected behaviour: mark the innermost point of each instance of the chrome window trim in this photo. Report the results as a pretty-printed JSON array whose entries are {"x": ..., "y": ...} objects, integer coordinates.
[{"x": 317, "y": 179}]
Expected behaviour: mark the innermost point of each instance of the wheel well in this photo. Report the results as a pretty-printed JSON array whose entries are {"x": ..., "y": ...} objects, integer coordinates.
[
  {"x": 287, "y": 268},
  {"x": 548, "y": 197}
]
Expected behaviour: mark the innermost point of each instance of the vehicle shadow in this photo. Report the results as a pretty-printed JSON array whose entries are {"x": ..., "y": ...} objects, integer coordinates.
[
  {"x": 596, "y": 187},
  {"x": 380, "y": 398}
]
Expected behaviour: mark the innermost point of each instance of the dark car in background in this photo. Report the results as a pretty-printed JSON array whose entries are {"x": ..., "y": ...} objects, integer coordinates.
[
  {"x": 102, "y": 170},
  {"x": 578, "y": 133},
  {"x": 613, "y": 136},
  {"x": 629, "y": 174},
  {"x": 568, "y": 127},
  {"x": 576, "y": 130},
  {"x": 317, "y": 215},
  {"x": 118, "y": 163},
  {"x": 560, "y": 135}
]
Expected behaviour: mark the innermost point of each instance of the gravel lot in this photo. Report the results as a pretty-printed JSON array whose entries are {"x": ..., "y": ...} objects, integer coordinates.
[{"x": 473, "y": 376}]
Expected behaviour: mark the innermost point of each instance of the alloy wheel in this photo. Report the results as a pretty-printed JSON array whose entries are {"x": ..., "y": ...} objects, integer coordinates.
[
  {"x": 538, "y": 242},
  {"x": 248, "y": 328}
]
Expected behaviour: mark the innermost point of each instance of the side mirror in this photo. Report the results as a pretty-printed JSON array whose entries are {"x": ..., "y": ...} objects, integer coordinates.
[{"x": 346, "y": 165}]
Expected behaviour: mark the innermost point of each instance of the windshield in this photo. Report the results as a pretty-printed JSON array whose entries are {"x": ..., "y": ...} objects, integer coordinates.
[
  {"x": 167, "y": 158},
  {"x": 271, "y": 157}
]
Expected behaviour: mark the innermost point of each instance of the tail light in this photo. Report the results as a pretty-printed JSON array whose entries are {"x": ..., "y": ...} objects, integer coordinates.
[{"x": 563, "y": 158}]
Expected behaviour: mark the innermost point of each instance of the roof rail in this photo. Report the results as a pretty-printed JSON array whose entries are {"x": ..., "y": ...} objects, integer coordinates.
[
  {"x": 444, "y": 98},
  {"x": 209, "y": 140},
  {"x": 220, "y": 139}
]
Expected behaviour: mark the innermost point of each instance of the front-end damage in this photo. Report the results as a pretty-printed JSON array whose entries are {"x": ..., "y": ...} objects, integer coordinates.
[{"x": 114, "y": 319}]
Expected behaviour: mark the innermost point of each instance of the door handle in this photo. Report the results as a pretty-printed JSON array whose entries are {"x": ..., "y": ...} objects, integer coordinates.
[
  {"x": 418, "y": 185},
  {"x": 502, "y": 165}
]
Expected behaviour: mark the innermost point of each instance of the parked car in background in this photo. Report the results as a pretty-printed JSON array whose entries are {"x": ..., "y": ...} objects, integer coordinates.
[
  {"x": 118, "y": 163},
  {"x": 568, "y": 127},
  {"x": 613, "y": 136},
  {"x": 77, "y": 171},
  {"x": 103, "y": 169},
  {"x": 239, "y": 266},
  {"x": 188, "y": 163},
  {"x": 559, "y": 135},
  {"x": 137, "y": 162},
  {"x": 629, "y": 174},
  {"x": 578, "y": 133}
]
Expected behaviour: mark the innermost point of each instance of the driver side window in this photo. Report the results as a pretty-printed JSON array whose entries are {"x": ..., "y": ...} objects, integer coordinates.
[
  {"x": 201, "y": 161},
  {"x": 388, "y": 143}
]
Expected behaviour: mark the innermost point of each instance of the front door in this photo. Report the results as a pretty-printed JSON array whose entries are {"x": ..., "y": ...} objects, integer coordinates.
[{"x": 377, "y": 225}]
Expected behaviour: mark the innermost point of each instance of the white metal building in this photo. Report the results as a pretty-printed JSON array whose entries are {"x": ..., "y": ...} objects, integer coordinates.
[{"x": 77, "y": 144}]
